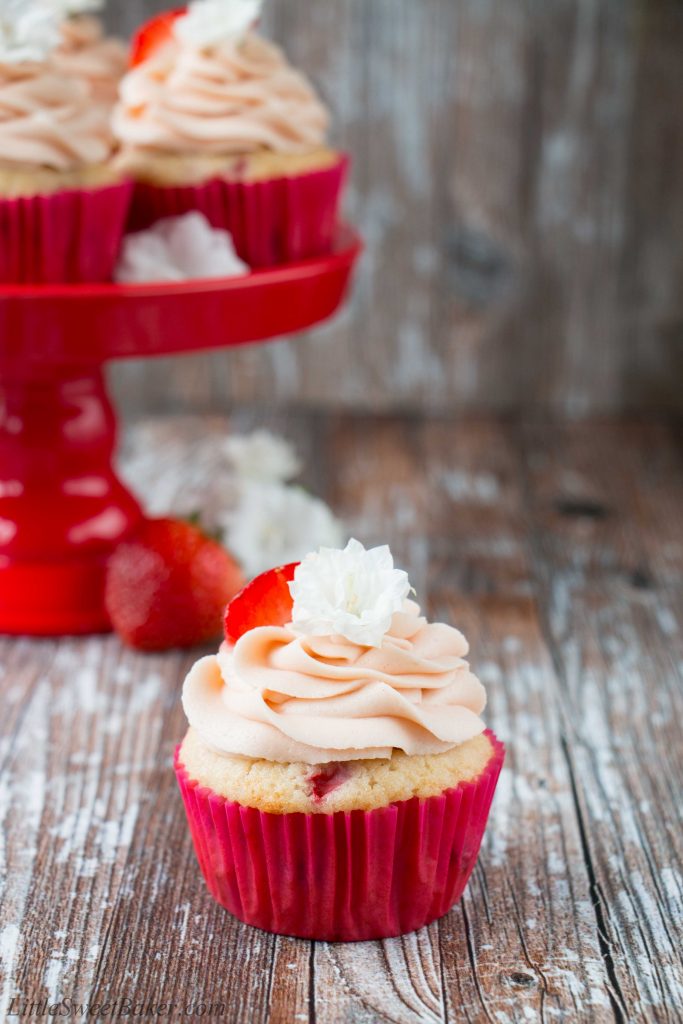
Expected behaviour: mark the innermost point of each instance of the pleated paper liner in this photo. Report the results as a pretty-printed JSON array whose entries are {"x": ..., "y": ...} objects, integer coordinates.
[
  {"x": 281, "y": 220},
  {"x": 346, "y": 876},
  {"x": 68, "y": 237}
]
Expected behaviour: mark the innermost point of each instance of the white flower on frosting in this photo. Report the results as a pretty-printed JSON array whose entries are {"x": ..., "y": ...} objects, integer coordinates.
[
  {"x": 81, "y": 6},
  {"x": 274, "y": 524},
  {"x": 179, "y": 249},
  {"x": 29, "y": 30},
  {"x": 210, "y": 22},
  {"x": 262, "y": 456},
  {"x": 352, "y": 593}
]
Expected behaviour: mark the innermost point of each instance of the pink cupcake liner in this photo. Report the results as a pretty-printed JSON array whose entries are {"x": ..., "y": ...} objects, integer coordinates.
[
  {"x": 281, "y": 220},
  {"x": 73, "y": 236},
  {"x": 346, "y": 876}
]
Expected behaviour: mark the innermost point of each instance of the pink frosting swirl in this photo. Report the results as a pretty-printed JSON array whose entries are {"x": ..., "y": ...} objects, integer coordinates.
[
  {"x": 238, "y": 97},
  {"x": 285, "y": 697},
  {"x": 49, "y": 120},
  {"x": 88, "y": 54}
]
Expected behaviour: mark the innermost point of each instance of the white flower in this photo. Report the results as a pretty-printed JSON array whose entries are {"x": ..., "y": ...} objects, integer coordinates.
[
  {"x": 351, "y": 593},
  {"x": 274, "y": 524},
  {"x": 262, "y": 456},
  {"x": 210, "y": 22},
  {"x": 29, "y": 30},
  {"x": 82, "y": 6},
  {"x": 66, "y": 8},
  {"x": 179, "y": 249}
]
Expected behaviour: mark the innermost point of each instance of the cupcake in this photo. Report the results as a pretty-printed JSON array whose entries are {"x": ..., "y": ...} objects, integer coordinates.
[
  {"x": 336, "y": 773},
  {"x": 63, "y": 204},
  {"x": 86, "y": 52},
  {"x": 214, "y": 118}
]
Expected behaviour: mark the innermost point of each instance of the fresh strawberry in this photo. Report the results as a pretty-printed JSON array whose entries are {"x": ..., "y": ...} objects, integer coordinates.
[
  {"x": 326, "y": 778},
  {"x": 153, "y": 35},
  {"x": 168, "y": 585},
  {"x": 266, "y": 601}
]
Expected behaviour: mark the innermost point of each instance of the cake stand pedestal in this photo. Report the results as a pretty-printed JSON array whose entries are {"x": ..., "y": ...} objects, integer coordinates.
[{"x": 62, "y": 507}]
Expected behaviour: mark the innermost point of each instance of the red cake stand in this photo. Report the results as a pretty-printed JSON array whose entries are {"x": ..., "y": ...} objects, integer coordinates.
[{"x": 62, "y": 507}]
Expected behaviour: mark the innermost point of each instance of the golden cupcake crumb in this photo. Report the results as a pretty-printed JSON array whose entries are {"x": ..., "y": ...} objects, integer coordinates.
[
  {"x": 21, "y": 180},
  {"x": 176, "y": 169},
  {"x": 340, "y": 786}
]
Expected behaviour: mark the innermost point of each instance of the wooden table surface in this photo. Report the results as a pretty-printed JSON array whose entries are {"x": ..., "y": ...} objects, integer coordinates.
[{"x": 559, "y": 551}]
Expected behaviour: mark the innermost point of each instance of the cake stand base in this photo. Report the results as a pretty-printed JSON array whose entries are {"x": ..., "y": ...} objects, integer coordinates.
[
  {"x": 63, "y": 509},
  {"x": 53, "y": 600}
]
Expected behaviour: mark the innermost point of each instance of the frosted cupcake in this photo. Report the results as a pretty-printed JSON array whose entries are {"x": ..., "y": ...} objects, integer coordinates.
[
  {"x": 86, "y": 52},
  {"x": 63, "y": 204},
  {"x": 214, "y": 118},
  {"x": 336, "y": 774}
]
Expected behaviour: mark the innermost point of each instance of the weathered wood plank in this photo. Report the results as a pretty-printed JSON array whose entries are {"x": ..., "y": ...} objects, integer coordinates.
[
  {"x": 532, "y": 889},
  {"x": 609, "y": 551},
  {"x": 559, "y": 552},
  {"x": 517, "y": 180}
]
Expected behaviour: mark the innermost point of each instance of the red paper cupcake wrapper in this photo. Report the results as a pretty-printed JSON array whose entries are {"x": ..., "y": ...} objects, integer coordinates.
[
  {"x": 346, "y": 876},
  {"x": 73, "y": 236},
  {"x": 281, "y": 220}
]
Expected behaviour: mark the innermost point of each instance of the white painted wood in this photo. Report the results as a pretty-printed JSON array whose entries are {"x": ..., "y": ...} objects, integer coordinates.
[
  {"x": 558, "y": 551},
  {"x": 517, "y": 182}
]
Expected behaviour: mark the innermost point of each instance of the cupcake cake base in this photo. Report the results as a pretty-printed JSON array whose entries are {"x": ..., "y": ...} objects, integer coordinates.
[
  {"x": 350, "y": 875},
  {"x": 69, "y": 235},
  {"x": 274, "y": 216}
]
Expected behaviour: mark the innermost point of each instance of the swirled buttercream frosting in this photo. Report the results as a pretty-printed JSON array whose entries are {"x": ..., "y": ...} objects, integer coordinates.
[
  {"x": 87, "y": 53},
  {"x": 281, "y": 695},
  {"x": 48, "y": 119},
  {"x": 239, "y": 96}
]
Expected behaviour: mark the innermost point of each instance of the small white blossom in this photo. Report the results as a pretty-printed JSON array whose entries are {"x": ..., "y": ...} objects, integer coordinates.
[
  {"x": 352, "y": 593},
  {"x": 274, "y": 524},
  {"x": 179, "y": 249},
  {"x": 210, "y": 22},
  {"x": 81, "y": 6},
  {"x": 29, "y": 30},
  {"x": 262, "y": 456}
]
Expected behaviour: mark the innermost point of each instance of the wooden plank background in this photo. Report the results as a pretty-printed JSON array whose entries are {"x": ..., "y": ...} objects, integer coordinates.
[
  {"x": 558, "y": 551},
  {"x": 518, "y": 179}
]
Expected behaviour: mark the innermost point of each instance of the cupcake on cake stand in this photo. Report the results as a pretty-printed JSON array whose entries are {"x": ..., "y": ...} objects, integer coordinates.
[
  {"x": 62, "y": 507},
  {"x": 248, "y": 151}
]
